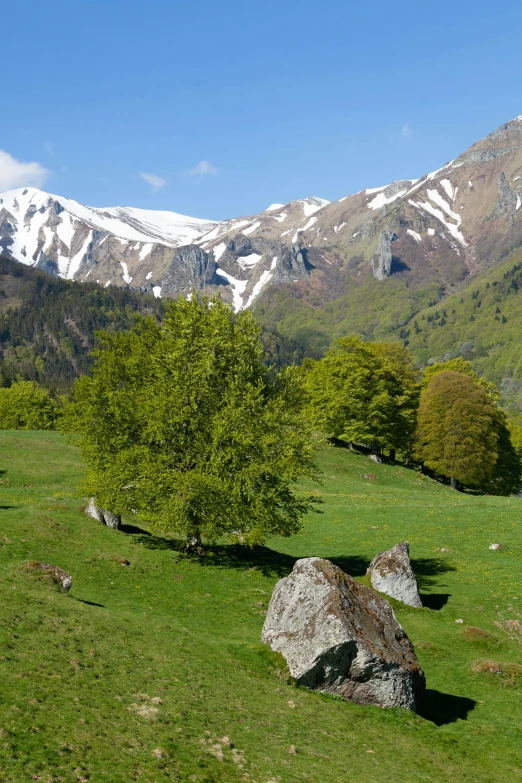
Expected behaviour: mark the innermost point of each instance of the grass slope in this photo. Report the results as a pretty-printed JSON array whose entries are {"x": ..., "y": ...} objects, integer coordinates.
[{"x": 141, "y": 671}]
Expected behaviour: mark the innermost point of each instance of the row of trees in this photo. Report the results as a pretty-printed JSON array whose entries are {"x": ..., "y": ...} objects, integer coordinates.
[
  {"x": 448, "y": 419},
  {"x": 185, "y": 425}
]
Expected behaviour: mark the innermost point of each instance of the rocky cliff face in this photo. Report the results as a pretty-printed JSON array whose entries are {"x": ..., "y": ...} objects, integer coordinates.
[{"x": 441, "y": 228}]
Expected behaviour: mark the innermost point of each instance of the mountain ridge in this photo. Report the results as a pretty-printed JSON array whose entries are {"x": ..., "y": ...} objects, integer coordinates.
[{"x": 437, "y": 229}]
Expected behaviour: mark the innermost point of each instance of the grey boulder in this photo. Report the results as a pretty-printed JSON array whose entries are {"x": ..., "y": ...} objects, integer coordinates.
[
  {"x": 391, "y": 573},
  {"x": 102, "y": 515},
  {"x": 340, "y": 637}
]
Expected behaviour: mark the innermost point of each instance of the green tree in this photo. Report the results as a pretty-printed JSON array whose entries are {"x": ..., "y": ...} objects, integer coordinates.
[
  {"x": 457, "y": 429},
  {"x": 365, "y": 393},
  {"x": 465, "y": 368},
  {"x": 183, "y": 424},
  {"x": 506, "y": 476},
  {"x": 26, "y": 406}
]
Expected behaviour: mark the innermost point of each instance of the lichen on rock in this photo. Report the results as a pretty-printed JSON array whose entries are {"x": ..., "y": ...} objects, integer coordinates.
[
  {"x": 341, "y": 637},
  {"x": 391, "y": 573}
]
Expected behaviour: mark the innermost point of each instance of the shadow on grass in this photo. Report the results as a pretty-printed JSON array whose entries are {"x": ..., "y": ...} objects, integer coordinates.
[
  {"x": 273, "y": 563},
  {"x": 426, "y": 568},
  {"x": 262, "y": 558},
  {"x": 6, "y": 508},
  {"x": 354, "y": 565},
  {"x": 89, "y": 603},
  {"x": 435, "y": 601},
  {"x": 132, "y": 530},
  {"x": 442, "y": 708}
]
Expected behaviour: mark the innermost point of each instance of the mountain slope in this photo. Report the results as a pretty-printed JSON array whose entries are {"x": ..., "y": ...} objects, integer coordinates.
[
  {"x": 425, "y": 237},
  {"x": 48, "y": 326}
]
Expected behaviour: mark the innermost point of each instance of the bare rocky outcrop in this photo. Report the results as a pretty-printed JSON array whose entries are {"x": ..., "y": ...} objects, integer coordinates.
[
  {"x": 103, "y": 515},
  {"x": 191, "y": 267},
  {"x": 507, "y": 200},
  {"x": 293, "y": 264},
  {"x": 391, "y": 573},
  {"x": 339, "y": 636},
  {"x": 382, "y": 261}
]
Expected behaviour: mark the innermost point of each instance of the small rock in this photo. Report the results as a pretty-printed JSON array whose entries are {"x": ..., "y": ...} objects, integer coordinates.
[
  {"x": 443, "y": 549},
  {"x": 391, "y": 573},
  {"x": 376, "y": 458},
  {"x": 340, "y": 637},
  {"x": 158, "y": 753},
  {"x": 291, "y": 704},
  {"x": 102, "y": 515},
  {"x": 292, "y": 750},
  {"x": 459, "y": 621},
  {"x": 93, "y": 511},
  {"x": 58, "y": 574},
  {"x": 494, "y": 546}
]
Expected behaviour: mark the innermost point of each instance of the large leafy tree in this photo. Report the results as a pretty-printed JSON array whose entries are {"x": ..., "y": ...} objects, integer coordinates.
[
  {"x": 183, "y": 424},
  {"x": 364, "y": 393},
  {"x": 506, "y": 476},
  {"x": 458, "y": 364},
  {"x": 26, "y": 406},
  {"x": 457, "y": 429}
]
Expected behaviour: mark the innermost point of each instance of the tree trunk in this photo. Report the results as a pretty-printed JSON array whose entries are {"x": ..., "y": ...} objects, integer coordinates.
[
  {"x": 453, "y": 482},
  {"x": 194, "y": 542},
  {"x": 392, "y": 455}
]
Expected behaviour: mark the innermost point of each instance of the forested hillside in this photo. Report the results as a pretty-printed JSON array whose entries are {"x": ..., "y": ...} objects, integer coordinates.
[
  {"x": 48, "y": 325},
  {"x": 481, "y": 321}
]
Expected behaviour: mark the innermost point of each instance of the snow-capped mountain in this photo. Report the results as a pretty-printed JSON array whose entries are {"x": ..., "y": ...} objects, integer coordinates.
[{"x": 440, "y": 227}]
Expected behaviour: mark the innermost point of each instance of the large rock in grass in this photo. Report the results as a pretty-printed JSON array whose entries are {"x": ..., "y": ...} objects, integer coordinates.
[
  {"x": 391, "y": 573},
  {"x": 341, "y": 637},
  {"x": 102, "y": 515}
]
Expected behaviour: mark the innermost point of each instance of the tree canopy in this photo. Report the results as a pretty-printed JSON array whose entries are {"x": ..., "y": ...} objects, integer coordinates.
[
  {"x": 26, "y": 406},
  {"x": 365, "y": 393},
  {"x": 457, "y": 429},
  {"x": 458, "y": 365},
  {"x": 183, "y": 424}
]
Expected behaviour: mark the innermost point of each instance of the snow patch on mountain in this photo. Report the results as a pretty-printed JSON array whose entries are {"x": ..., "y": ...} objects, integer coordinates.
[
  {"x": 380, "y": 199},
  {"x": 414, "y": 234},
  {"x": 313, "y": 204},
  {"x": 238, "y": 289},
  {"x": 252, "y": 228}
]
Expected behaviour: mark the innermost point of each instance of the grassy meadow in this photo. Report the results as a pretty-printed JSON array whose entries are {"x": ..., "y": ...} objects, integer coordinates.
[{"x": 154, "y": 671}]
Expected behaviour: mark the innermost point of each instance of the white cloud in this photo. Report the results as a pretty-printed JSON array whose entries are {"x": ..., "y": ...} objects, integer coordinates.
[
  {"x": 406, "y": 131},
  {"x": 154, "y": 181},
  {"x": 16, "y": 174},
  {"x": 203, "y": 167}
]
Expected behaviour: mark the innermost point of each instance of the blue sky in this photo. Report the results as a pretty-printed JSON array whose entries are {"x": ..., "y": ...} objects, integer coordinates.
[{"x": 229, "y": 106}]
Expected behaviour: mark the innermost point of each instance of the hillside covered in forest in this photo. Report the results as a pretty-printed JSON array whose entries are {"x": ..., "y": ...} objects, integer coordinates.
[{"x": 48, "y": 325}]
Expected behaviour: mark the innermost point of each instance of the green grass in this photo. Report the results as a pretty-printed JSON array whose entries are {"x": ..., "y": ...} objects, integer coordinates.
[{"x": 81, "y": 673}]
